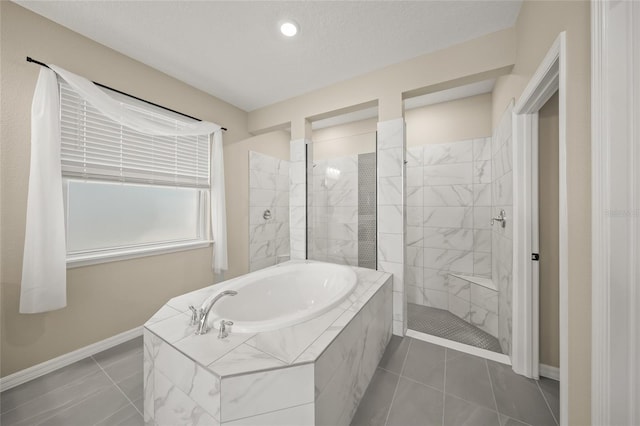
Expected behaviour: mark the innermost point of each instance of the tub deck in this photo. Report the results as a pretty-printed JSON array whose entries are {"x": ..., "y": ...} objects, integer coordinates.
[{"x": 186, "y": 373}]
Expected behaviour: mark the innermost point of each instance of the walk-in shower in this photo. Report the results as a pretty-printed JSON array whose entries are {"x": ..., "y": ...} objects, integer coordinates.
[
  {"x": 341, "y": 195},
  {"x": 456, "y": 183}
]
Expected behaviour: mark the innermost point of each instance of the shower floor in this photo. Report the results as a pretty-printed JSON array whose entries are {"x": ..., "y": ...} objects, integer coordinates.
[{"x": 442, "y": 323}]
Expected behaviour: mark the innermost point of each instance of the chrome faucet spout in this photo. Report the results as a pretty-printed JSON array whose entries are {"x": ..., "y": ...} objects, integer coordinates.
[{"x": 204, "y": 316}]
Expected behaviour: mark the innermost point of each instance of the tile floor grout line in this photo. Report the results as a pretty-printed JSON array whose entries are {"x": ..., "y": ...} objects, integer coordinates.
[
  {"x": 546, "y": 401},
  {"x": 398, "y": 384},
  {"x": 52, "y": 390},
  {"x": 62, "y": 410},
  {"x": 493, "y": 392},
  {"x": 118, "y": 387}
]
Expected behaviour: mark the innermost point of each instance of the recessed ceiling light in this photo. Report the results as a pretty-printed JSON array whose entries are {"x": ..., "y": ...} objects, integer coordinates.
[{"x": 289, "y": 28}]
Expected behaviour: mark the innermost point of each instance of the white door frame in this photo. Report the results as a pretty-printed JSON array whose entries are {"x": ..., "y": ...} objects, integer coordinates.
[
  {"x": 548, "y": 78},
  {"x": 615, "y": 186}
]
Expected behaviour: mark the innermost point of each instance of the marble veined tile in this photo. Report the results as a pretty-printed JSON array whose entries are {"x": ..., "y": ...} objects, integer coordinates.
[
  {"x": 207, "y": 348},
  {"x": 283, "y": 168},
  {"x": 482, "y": 240},
  {"x": 297, "y": 150},
  {"x": 174, "y": 408},
  {"x": 448, "y": 153},
  {"x": 448, "y": 195},
  {"x": 448, "y": 238},
  {"x": 415, "y": 176},
  {"x": 460, "y": 307},
  {"x": 484, "y": 320},
  {"x": 435, "y": 299},
  {"x": 174, "y": 328},
  {"x": 264, "y": 163},
  {"x": 448, "y": 174},
  {"x": 449, "y": 260},
  {"x": 482, "y": 149},
  {"x": 192, "y": 379},
  {"x": 252, "y": 394},
  {"x": 262, "y": 197},
  {"x": 414, "y": 215},
  {"x": 390, "y": 162},
  {"x": 485, "y": 298},
  {"x": 390, "y": 190},
  {"x": 415, "y": 156},
  {"x": 435, "y": 279},
  {"x": 448, "y": 217},
  {"x": 288, "y": 343},
  {"x": 482, "y": 171},
  {"x": 482, "y": 218},
  {"x": 259, "y": 179},
  {"x": 301, "y": 415},
  {"x": 414, "y": 196},
  {"x": 390, "y": 134},
  {"x": 244, "y": 358},
  {"x": 482, "y": 194},
  {"x": 459, "y": 287}
]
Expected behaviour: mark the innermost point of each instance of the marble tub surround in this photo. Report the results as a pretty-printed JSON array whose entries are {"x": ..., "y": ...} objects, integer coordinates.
[
  {"x": 268, "y": 191},
  {"x": 448, "y": 214},
  {"x": 502, "y": 238},
  {"x": 392, "y": 231},
  {"x": 263, "y": 378}
]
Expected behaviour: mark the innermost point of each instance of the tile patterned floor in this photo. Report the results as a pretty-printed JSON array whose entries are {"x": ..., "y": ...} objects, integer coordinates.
[
  {"x": 416, "y": 383},
  {"x": 442, "y": 323},
  {"x": 105, "y": 389}
]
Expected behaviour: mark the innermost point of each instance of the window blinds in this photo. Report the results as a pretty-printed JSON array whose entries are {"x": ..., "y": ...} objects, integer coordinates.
[{"x": 96, "y": 147}]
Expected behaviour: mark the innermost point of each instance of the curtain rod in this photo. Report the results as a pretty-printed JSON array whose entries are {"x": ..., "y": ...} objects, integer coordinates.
[{"x": 29, "y": 59}]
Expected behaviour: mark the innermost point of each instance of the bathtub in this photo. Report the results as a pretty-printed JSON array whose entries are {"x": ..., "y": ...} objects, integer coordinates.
[
  {"x": 313, "y": 371},
  {"x": 279, "y": 297}
]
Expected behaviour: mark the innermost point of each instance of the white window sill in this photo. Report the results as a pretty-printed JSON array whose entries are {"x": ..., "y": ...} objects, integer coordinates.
[{"x": 76, "y": 261}]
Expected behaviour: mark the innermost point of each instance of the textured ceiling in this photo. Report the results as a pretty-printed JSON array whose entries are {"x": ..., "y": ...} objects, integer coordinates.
[{"x": 233, "y": 50}]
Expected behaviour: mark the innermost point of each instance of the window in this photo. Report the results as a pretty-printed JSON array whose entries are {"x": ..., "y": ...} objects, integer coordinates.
[{"x": 129, "y": 193}]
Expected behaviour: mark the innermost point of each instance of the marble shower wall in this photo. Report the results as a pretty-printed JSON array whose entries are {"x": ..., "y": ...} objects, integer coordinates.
[
  {"x": 392, "y": 231},
  {"x": 334, "y": 234},
  {"x": 268, "y": 191},
  {"x": 448, "y": 214},
  {"x": 502, "y": 238}
]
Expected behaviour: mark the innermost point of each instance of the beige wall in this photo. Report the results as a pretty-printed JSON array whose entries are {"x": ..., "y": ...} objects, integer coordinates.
[
  {"x": 451, "y": 121},
  {"x": 354, "y": 138},
  {"x": 475, "y": 60},
  {"x": 548, "y": 131},
  {"x": 538, "y": 25},
  {"x": 110, "y": 298}
]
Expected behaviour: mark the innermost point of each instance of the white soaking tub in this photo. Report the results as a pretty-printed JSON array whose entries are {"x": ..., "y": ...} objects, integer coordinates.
[
  {"x": 274, "y": 298},
  {"x": 313, "y": 371}
]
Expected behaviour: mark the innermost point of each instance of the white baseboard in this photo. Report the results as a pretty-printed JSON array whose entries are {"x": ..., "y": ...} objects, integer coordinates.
[
  {"x": 22, "y": 376},
  {"x": 549, "y": 372},
  {"x": 472, "y": 350}
]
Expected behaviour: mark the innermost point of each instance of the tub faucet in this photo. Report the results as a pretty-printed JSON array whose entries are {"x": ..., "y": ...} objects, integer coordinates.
[{"x": 204, "y": 312}]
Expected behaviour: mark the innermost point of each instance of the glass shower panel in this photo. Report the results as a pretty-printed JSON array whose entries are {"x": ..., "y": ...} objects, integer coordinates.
[{"x": 341, "y": 210}]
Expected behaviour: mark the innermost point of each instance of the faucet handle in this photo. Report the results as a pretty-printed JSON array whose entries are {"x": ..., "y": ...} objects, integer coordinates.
[
  {"x": 195, "y": 315},
  {"x": 222, "y": 332}
]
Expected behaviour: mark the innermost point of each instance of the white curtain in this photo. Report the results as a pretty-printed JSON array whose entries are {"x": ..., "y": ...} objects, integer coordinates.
[
  {"x": 43, "y": 286},
  {"x": 218, "y": 207},
  {"x": 44, "y": 269}
]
